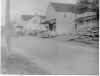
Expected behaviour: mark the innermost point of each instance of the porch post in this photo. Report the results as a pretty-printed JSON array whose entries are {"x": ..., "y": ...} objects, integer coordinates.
[{"x": 75, "y": 23}]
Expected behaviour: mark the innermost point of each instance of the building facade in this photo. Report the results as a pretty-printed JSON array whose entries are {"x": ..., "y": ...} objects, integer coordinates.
[{"x": 64, "y": 15}]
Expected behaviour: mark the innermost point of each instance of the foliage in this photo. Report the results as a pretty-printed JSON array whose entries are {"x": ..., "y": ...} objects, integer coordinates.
[{"x": 90, "y": 6}]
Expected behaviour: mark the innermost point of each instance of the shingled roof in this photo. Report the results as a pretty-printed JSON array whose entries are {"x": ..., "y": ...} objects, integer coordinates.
[
  {"x": 28, "y": 17},
  {"x": 63, "y": 7}
]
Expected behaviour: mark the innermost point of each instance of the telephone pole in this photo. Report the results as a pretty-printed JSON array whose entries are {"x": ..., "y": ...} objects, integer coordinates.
[{"x": 7, "y": 24}]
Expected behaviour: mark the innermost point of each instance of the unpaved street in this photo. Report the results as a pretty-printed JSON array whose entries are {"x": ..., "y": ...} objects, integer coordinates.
[{"x": 48, "y": 56}]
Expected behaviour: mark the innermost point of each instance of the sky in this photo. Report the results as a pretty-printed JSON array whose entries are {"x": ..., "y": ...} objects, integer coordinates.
[{"x": 18, "y": 7}]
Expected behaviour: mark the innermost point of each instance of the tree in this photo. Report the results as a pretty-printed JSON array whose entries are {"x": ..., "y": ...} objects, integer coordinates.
[
  {"x": 84, "y": 6},
  {"x": 88, "y": 5}
]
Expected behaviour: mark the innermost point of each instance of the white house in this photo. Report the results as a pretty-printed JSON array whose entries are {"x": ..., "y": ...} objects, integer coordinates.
[
  {"x": 31, "y": 22},
  {"x": 65, "y": 16}
]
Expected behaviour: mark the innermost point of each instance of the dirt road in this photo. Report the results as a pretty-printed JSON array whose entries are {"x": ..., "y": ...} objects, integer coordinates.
[{"x": 47, "y": 56}]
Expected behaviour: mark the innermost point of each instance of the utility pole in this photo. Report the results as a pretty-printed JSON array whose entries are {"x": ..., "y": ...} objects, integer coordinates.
[
  {"x": 7, "y": 11},
  {"x": 7, "y": 25}
]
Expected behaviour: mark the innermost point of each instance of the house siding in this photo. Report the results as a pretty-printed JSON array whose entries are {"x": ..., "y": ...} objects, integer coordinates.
[
  {"x": 51, "y": 13},
  {"x": 64, "y": 20}
]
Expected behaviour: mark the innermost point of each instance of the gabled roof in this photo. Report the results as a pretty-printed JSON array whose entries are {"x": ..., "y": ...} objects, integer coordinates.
[
  {"x": 63, "y": 7},
  {"x": 28, "y": 17}
]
